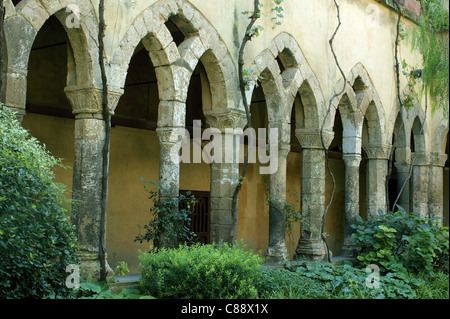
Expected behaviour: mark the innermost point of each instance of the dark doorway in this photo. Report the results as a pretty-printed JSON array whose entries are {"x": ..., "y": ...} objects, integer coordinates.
[{"x": 200, "y": 216}]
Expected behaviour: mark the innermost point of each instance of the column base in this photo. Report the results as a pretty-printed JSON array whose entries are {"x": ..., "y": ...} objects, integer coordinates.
[
  {"x": 312, "y": 250},
  {"x": 90, "y": 266},
  {"x": 349, "y": 251},
  {"x": 276, "y": 257}
]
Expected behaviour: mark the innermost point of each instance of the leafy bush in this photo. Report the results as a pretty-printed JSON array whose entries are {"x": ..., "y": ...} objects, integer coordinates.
[
  {"x": 348, "y": 282},
  {"x": 170, "y": 221},
  {"x": 37, "y": 241},
  {"x": 201, "y": 272},
  {"x": 401, "y": 241}
]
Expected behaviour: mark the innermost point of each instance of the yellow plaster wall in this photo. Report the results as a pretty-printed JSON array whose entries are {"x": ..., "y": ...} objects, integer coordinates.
[{"x": 135, "y": 154}]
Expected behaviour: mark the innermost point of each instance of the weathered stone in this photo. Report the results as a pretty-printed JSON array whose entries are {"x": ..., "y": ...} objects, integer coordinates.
[
  {"x": 351, "y": 162},
  {"x": 435, "y": 189}
]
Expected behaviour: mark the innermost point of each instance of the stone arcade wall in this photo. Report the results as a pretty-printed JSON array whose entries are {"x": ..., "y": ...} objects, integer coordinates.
[{"x": 171, "y": 61}]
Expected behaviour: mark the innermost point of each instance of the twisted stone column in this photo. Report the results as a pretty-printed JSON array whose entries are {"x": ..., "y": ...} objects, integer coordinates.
[
  {"x": 311, "y": 245},
  {"x": 435, "y": 186}
]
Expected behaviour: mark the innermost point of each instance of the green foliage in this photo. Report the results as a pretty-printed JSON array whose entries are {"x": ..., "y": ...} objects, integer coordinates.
[
  {"x": 37, "y": 240},
  {"x": 201, "y": 272},
  {"x": 170, "y": 221},
  {"x": 280, "y": 283},
  {"x": 431, "y": 39},
  {"x": 347, "y": 282},
  {"x": 401, "y": 241}
]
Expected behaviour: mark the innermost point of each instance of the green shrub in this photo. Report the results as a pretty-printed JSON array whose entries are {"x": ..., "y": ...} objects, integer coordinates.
[
  {"x": 170, "y": 220},
  {"x": 401, "y": 241},
  {"x": 37, "y": 241},
  {"x": 281, "y": 283},
  {"x": 348, "y": 282},
  {"x": 201, "y": 272}
]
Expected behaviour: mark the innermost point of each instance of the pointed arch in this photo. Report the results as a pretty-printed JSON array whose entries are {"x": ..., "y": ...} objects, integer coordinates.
[{"x": 287, "y": 73}]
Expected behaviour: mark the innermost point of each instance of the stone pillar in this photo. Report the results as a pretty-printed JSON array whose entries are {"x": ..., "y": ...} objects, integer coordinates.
[
  {"x": 169, "y": 168},
  {"x": 419, "y": 185},
  {"x": 351, "y": 162},
  {"x": 15, "y": 91},
  {"x": 377, "y": 162},
  {"x": 88, "y": 172},
  {"x": 225, "y": 174},
  {"x": 403, "y": 165},
  {"x": 277, "y": 251},
  {"x": 311, "y": 245},
  {"x": 435, "y": 186}
]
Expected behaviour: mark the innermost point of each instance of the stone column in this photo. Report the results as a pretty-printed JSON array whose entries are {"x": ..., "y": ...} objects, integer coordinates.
[
  {"x": 403, "y": 165},
  {"x": 169, "y": 168},
  {"x": 311, "y": 245},
  {"x": 88, "y": 171},
  {"x": 225, "y": 174},
  {"x": 377, "y": 162},
  {"x": 15, "y": 91},
  {"x": 277, "y": 251},
  {"x": 419, "y": 185},
  {"x": 351, "y": 162},
  {"x": 435, "y": 186}
]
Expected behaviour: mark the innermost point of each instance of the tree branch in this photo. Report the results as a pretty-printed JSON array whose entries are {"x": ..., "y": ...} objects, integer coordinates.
[
  {"x": 323, "y": 125},
  {"x": 247, "y": 37},
  {"x": 106, "y": 146}
]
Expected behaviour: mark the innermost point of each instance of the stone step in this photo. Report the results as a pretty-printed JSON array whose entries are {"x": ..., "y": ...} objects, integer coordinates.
[{"x": 129, "y": 282}]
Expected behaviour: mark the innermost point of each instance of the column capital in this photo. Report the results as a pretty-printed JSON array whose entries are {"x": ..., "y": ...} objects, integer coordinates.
[
  {"x": 377, "y": 151},
  {"x": 351, "y": 159},
  {"x": 283, "y": 150},
  {"x": 421, "y": 159},
  {"x": 170, "y": 135},
  {"x": 403, "y": 155},
  {"x": 438, "y": 159},
  {"x": 88, "y": 100},
  {"x": 231, "y": 119},
  {"x": 311, "y": 138}
]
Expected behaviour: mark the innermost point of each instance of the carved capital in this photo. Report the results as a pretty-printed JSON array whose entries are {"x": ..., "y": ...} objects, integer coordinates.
[
  {"x": 283, "y": 150},
  {"x": 403, "y": 155},
  {"x": 377, "y": 151},
  {"x": 88, "y": 99},
  {"x": 351, "y": 160},
  {"x": 312, "y": 138},
  {"x": 169, "y": 136},
  {"x": 232, "y": 118},
  {"x": 421, "y": 159},
  {"x": 438, "y": 159}
]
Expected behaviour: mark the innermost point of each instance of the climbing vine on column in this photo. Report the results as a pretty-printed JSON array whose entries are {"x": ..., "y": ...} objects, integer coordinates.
[
  {"x": 245, "y": 78},
  {"x": 106, "y": 146}
]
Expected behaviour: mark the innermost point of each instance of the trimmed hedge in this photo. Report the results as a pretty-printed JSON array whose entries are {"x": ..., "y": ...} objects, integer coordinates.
[{"x": 201, "y": 272}]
